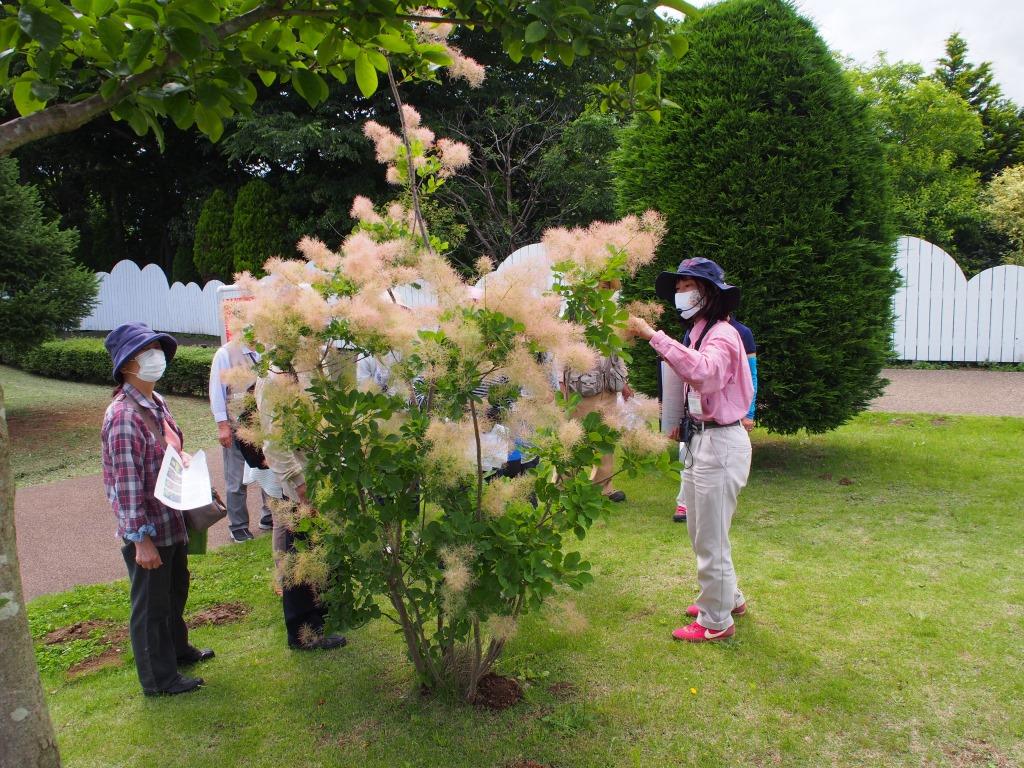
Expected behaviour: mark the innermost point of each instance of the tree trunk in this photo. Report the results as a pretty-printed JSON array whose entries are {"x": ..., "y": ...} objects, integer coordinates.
[{"x": 26, "y": 732}]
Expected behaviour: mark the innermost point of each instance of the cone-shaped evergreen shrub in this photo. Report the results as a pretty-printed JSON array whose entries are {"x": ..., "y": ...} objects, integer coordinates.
[
  {"x": 42, "y": 289},
  {"x": 183, "y": 268},
  {"x": 212, "y": 250},
  {"x": 258, "y": 227},
  {"x": 771, "y": 168}
]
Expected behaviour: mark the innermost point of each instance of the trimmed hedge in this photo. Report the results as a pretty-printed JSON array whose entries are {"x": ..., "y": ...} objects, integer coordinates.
[{"x": 87, "y": 360}]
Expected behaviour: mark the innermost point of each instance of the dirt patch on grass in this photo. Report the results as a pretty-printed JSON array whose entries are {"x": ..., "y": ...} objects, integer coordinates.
[
  {"x": 80, "y": 631},
  {"x": 975, "y": 754},
  {"x": 115, "y": 638},
  {"x": 524, "y": 763},
  {"x": 111, "y": 657},
  {"x": 38, "y": 426},
  {"x": 497, "y": 692},
  {"x": 563, "y": 689},
  {"x": 357, "y": 737},
  {"x": 221, "y": 613}
]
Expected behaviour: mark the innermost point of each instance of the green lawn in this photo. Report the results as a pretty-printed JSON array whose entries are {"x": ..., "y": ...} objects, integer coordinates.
[
  {"x": 883, "y": 564},
  {"x": 55, "y": 425}
]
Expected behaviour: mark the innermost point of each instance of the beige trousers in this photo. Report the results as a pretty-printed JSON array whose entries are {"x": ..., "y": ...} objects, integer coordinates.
[
  {"x": 716, "y": 469},
  {"x": 602, "y": 402}
]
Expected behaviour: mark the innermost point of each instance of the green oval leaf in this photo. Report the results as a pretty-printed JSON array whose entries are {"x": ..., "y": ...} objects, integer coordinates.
[
  {"x": 142, "y": 42},
  {"x": 111, "y": 34},
  {"x": 536, "y": 31},
  {"x": 310, "y": 86},
  {"x": 394, "y": 43},
  {"x": 266, "y": 76},
  {"x": 186, "y": 42},
  {"x": 208, "y": 93},
  {"x": 140, "y": 10},
  {"x": 378, "y": 59},
  {"x": 205, "y": 10},
  {"x": 209, "y": 122},
  {"x": 24, "y": 101},
  {"x": 515, "y": 50},
  {"x": 366, "y": 75},
  {"x": 44, "y": 91},
  {"x": 42, "y": 28},
  {"x": 679, "y": 45},
  {"x": 180, "y": 109}
]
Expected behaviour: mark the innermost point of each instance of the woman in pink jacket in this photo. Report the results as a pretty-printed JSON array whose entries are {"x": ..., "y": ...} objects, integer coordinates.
[{"x": 717, "y": 391}]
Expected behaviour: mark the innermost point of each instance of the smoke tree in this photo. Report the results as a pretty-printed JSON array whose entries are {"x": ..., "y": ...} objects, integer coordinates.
[{"x": 404, "y": 501}]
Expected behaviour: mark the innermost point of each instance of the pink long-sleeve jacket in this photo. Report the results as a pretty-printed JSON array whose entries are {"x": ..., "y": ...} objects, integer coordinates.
[{"x": 718, "y": 370}]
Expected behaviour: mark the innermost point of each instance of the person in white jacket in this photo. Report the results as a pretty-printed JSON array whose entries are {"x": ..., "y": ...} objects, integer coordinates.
[{"x": 222, "y": 398}]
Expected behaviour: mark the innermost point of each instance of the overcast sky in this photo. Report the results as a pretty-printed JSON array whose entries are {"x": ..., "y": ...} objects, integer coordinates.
[{"x": 916, "y": 30}]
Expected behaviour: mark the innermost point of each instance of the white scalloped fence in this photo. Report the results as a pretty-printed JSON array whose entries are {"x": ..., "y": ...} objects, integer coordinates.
[
  {"x": 129, "y": 294},
  {"x": 940, "y": 315}
]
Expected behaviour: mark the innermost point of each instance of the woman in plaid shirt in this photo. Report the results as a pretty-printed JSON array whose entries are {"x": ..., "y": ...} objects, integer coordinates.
[{"x": 137, "y": 427}]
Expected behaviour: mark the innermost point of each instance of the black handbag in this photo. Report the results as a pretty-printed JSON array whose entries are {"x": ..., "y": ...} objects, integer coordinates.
[{"x": 253, "y": 454}]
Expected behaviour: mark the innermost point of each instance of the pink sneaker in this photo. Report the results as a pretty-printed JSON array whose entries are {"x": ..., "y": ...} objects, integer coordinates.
[
  {"x": 680, "y": 515},
  {"x": 693, "y": 611},
  {"x": 696, "y": 633}
]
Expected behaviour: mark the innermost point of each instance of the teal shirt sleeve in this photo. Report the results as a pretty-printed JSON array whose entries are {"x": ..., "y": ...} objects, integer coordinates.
[{"x": 753, "y": 375}]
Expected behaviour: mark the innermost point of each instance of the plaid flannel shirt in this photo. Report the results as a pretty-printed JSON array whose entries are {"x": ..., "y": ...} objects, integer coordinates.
[{"x": 132, "y": 455}]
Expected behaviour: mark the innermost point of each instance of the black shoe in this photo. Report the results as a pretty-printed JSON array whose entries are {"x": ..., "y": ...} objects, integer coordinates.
[
  {"x": 617, "y": 496},
  {"x": 195, "y": 655},
  {"x": 181, "y": 685},
  {"x": 267, "y": 523},
  {"x": 322, "y": 643},
  {"x": 240, "y": 535}
]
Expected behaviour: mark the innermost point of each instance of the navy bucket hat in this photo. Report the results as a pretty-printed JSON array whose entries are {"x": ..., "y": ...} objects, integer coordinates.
[
  {"x": 124, "y": 341},
  {"x": 701, "y": 269}
]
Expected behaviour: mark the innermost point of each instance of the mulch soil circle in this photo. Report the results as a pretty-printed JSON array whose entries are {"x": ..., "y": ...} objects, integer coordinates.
[{"x": 497, "y": 692}]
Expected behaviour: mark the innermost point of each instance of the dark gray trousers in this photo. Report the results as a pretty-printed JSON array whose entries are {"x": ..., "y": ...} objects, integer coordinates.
[
  {"x": 157, "y": 627},
  {"x": 236, "y": 498}
]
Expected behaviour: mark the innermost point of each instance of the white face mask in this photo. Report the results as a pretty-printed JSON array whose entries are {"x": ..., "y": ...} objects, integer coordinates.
[
  {"x": 689, "y": 303},
  {"x": 152, "y": 364}
]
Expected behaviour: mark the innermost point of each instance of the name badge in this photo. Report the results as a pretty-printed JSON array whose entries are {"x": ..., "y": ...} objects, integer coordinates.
[{"x": 693, "y": 402}]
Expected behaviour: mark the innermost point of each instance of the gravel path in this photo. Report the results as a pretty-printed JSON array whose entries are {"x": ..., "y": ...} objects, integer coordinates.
[
  {"x": 963, "y": 391},
  {"x": 66, "y": 529}
]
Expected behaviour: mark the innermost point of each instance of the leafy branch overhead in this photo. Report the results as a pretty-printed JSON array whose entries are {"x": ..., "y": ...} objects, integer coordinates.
[{"x": 195, "y": 61}]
